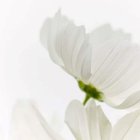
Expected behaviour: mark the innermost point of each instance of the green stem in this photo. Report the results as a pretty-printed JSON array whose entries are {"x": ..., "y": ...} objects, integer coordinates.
[{"x": 86, "y": 99}]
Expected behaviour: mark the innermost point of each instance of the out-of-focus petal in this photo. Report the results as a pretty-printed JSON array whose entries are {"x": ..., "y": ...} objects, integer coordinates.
[
  {"x": 131, "y": 101},
  {"x": 28, "y": 124},
  {"x": 128, "y": 128}
]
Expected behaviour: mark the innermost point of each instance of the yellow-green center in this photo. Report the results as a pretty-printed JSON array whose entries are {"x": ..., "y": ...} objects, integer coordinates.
[{"x": 91, "y": 91}]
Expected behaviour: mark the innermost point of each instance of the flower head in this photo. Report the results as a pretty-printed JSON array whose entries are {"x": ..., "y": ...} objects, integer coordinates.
[
  {"x": 85, "y": 123},
  {"x": 105, "y": 62}
]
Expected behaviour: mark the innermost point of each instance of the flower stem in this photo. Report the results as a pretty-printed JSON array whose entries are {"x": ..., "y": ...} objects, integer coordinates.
[{"x": 86, "y": 99}]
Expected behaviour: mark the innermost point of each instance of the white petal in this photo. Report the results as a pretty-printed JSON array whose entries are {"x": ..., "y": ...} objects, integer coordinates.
[
  {"x": 93, "y": 124},
  {"x": 103, "y": 41},
  {"x": 83, "y": 63},
  {"x": 103, "y": 55},
  {"x": 125, "y": 73},
  {"x": 28, "y": 124},
  {"x": 99, "y": 126},
  {"x": 77, "y": 120},
  {"x": 128, "y": 128},
  {"x": 88, "y": 123},
  {"x": 48, "y": 36},
  {"x": 105, "y": 125},
  {"x": 101, "y": 34},
  {"x": 115, "y": 63},
  {"x": 131, "y": 101},
  {"x": 64, "y": 41},
  {"x": 121, "y": 75}
]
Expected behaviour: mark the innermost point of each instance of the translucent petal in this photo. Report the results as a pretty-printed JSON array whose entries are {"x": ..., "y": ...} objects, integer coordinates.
[
  {"x": 28, "y": 124},
  {"x": 64, "y": 41},
  {"x": 49, "y": 33},
  {"x": 128, "y": 128},
  {"x": 124, "y": 73},
  {"x": 115, "y": 63},
  {"x": 83, "y": 63},
  {"x": 131, "y": 101},
  {"x": 103, "y": 41},
  {"x": 103, "y": 54}
]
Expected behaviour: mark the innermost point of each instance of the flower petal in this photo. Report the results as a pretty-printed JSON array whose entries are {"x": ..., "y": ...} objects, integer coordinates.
[
  {"x": 93, "y": 124},
  {"x": 48, "y": 36},
  {"x": 99, "y": 125},
  {"x": 88, "y": 123},
  {"x": 132, "y": 101},
  {"x": 124, "y": 73},
  {"x": 64, "y": 41},
  {"x": 115, "y": 63},
  {"x": 103, "y": 41},
  {"x": 128, "y": 128},
  {"x": 77, "y": 120},
  {"x": 121, "y": 75},
  {"x": 103, "y": 55},
  {"x": 104, "y": 124},
  {"x": 28, "y": 124}
]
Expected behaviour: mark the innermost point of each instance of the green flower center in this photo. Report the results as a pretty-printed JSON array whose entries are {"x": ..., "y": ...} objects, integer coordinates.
[{"x": 91, "y": 91}]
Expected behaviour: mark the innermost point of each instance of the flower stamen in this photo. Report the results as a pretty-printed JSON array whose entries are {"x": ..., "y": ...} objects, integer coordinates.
[{"x": 91, "y": 92}]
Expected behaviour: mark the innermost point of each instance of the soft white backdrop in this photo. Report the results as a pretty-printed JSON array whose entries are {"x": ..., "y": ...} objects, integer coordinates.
[{"x": 26, "y": 70}]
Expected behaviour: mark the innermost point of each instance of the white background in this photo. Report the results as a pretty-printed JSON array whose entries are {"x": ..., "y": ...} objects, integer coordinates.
[{"x": 26, "y": 71}]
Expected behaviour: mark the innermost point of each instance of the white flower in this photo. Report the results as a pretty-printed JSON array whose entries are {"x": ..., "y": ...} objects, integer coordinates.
[
  {"x": 86, "y": 123},
  {"x": 104, "y": 62}
]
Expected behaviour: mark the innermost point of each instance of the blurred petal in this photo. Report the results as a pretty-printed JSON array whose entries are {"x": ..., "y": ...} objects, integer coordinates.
[
  {"x": 48, "y": 35},
  {"x": 128, "y": 128},
  {"x": 132, "y": 100},
  {"x": 28, "y": 124}
]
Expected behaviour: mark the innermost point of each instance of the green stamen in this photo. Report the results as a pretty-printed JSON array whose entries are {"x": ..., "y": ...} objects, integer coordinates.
[{"x": 91, "y": 92}]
